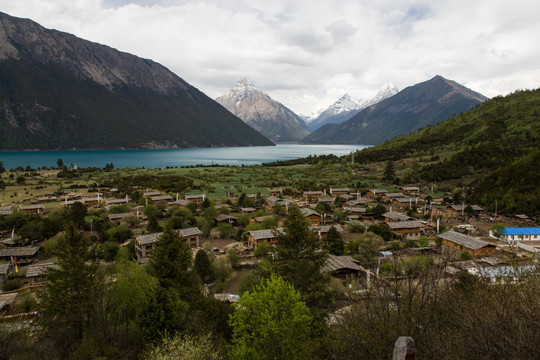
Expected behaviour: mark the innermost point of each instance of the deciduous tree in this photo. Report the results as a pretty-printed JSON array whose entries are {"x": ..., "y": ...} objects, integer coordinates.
[{"x": 272, "y": 322}]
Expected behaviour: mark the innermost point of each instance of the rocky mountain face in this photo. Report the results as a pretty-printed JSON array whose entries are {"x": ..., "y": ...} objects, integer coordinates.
[
  {"x": 61, "y": 92},
  {"x": 346, "y": 107},
  {"x": 417, "y": 106},
  {"x": 269, "y": 117}
]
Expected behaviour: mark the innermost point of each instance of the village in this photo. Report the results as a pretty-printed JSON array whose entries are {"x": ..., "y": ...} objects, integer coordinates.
[{"x": 409, "y": 221}]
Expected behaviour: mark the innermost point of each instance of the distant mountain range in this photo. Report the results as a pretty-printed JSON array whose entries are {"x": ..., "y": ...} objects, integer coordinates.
[
  {"x": 346, "y": 107},
  {"x": 61, "y": 92},
  {"x": 260, "y": 111},
  {"x": 417, "y": 106}
]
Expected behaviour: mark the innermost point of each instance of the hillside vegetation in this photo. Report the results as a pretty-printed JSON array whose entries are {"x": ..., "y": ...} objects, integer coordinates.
[{"x": 494, "y": 146}]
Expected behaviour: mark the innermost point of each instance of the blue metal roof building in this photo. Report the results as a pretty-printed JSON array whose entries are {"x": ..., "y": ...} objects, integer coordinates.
[{"x": 523, "y": 233}]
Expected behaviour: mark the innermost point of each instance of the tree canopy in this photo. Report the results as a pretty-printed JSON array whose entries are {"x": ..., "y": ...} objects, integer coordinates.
[{"x": 270, "y": 322}]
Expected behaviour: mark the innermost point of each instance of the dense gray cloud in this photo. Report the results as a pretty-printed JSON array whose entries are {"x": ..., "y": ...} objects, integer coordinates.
[{"x": 308, "y": 54}]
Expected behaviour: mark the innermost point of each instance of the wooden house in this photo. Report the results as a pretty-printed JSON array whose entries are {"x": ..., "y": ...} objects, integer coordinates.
[
  {"x": 5, "y": 271},
  {"x": 148, "y": 194},
  {"x": 404, "y": 202},
  {"x": 457, "y": 242},
  {"x": 196, "y": 198},
  {"x": 339, "y": 191},
  {"x": 6, "y": 210},
  {"x": 276, "y": 192},
  {"x": 455, "y": 211},
  {"x": 7, "y": 300},
  {"x": 345, "y": 268},
  {"x": 162, "y": 200},
  {"x": 405, "y": 229},
  {"x": 354, "y": 203},
  {"x": 112, "y": 202},
  {"x": 272, "y": 202},
  {"x": 119, "y": 218},
  {"x": 322, "y": 230},
  {"x": 191, "y": 236},
  {"x": 396, "y": 216},
  {"x": 23, "y": 254},
  {"x": 326, "y": 200},
  {"x": 313, "y": 216},
  {"x": 257, "y": 237},
  {"x": 392, "y": 196},
  {"x": 91, "y": 201},
  {"x": 373, "y": 193},
  {"x": 35, "y": 273},
  {"x": 224, "y": 218},
  {"x": 32, "y": 209},
  {"x": 409, "y": 190},
  {"x": 313, "y": 195},
  {"x": 179, "y": 203}
]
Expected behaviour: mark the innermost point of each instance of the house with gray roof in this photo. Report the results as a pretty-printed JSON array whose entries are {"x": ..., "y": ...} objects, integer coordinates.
[
  {"x": 456, "y": 242},
  {"x": 257, "y": 237},
  {"x": 35, "y": 273},
  {"x": 191, "y": 236},
  {"x": 405, "y": 229}
]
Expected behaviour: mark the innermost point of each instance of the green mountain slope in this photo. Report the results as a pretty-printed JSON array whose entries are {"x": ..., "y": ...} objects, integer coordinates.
[
  {"x": 495, "y": 146},
  {"x": 61, "y": 92}
]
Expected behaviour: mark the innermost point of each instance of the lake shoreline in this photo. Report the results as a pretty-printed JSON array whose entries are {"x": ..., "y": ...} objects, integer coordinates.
[{"x": 163, "y": 158}]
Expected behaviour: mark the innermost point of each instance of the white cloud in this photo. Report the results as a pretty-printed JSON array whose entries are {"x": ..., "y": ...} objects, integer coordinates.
[{"x": 305, "y": 54}]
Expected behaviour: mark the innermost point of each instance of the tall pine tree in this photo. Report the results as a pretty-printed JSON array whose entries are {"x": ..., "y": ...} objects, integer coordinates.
[
  {"x": 73, "y": 291},
  {"x": 179, "y": 292},
  {"x": 299, "y": 261}
]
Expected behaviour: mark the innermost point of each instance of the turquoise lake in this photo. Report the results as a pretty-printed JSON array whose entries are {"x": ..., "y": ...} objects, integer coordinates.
[{"x": 161, "y": 158}]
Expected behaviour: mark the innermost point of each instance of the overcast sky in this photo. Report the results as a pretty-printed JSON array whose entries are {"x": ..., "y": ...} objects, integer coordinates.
[{"x": 307, "y": 54}]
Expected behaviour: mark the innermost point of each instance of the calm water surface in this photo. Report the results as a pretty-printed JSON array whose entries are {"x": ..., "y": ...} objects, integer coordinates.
[{"x": 161, "y": 158}]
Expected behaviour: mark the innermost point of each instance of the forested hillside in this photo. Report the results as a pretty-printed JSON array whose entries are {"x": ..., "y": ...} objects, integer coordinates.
[{"x": 494, "y": 146}]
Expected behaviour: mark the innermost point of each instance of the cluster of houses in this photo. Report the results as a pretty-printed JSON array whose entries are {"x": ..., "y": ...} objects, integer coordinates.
[{"x": 401, "y": 219}]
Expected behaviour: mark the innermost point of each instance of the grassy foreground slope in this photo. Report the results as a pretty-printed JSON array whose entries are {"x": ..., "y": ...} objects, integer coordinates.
[{"x": 494, "y": 146}]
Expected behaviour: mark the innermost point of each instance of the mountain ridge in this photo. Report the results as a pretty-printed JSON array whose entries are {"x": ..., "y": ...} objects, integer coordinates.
[
  {"x": 346, "y": 107},
  {"x": 62, "y": 92},
  {"x": 260, "y": 111},
  {"x": 416, "y": 106}
]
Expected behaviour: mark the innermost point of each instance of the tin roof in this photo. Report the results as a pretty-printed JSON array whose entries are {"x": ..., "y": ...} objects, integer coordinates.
[
  {"x": 394, "y": 225},
  {"x": 464, "y": 240},
  {"x": 334, "y": 263},
  {"x": 521, "y": 231},
  {"x": 148, "y": 238},
  {"x": 38, "y": 269},
  {"x": 189, "y": 231},
  {"x": 19, "y": 251}
]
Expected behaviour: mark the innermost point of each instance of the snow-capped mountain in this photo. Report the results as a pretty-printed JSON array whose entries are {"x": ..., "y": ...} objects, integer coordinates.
[
  {"x": 257, "y": 109},
  {"x": 388, "y": 89},
  {"x": 346, "y": 107}
]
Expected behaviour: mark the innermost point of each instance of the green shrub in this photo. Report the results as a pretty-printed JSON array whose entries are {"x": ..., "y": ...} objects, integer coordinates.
[
  {"x": 11, "y": 284},
  {"x": 465, "y": 256},
  {"x": 423, "y": 241},
  {"x": 409, "y": 244},
  {"x": 262, "y": 250},
  {"x": 234, "y": 258},
  {"x": 357, "y": 227}
]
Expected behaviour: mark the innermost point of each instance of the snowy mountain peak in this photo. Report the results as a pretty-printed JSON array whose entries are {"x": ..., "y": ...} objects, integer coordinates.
[
  {"x": 242, "y": 89},
  {"x": 344, "y": 103},
  {"x": 387, "y": 90}
]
